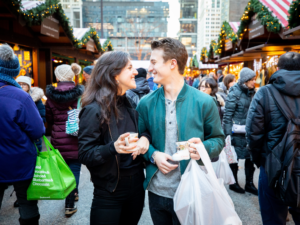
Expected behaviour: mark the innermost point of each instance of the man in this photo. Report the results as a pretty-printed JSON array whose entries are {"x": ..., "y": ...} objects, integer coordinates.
[
  {"x": 176, "y": 112},
  {"x": 142, "y": 87},
  {"x": 152, "y": 85},
  {"x": 196, "y": 82},
  {"x": 87, "y": 71},
  {"x": 21, "y": 124},
  {"x": 265, "y": 128},
  {"x": 219, "y": 76}
]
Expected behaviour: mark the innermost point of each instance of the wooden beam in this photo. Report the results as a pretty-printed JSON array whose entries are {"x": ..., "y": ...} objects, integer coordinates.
[
  {"x": 74, "y": 53},
  {"x": 290, "y": 31},
  {"x": 35, "y": 66},
  {"x": 6, "y": 15},
  {"x": 18, "y": 39}
]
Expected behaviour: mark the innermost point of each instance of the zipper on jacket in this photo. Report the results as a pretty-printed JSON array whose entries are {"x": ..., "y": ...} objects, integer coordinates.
[
  {"x": 177, "y": 134},
  {"x": 116, "y": 160}
]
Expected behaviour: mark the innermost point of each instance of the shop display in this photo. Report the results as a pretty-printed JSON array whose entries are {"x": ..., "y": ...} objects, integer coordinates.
[{"x": 234, "y": 69}]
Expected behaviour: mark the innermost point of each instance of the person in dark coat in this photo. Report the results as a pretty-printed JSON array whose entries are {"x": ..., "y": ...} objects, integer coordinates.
[
  {"x": 142, "y": 87},
  {"x": 60, "y": 100},
  {"x": 36, "y": 94},
  {"x": 152, "y": 85},
  {"x": 224, "y": 86},
  {"x": 265, "y": 128},
  {"x": 116, "y": 169},
  {"x": 220, "y": 76},
  {"x": 20, "y": 124},
  {"x": 236, "y": 111}
]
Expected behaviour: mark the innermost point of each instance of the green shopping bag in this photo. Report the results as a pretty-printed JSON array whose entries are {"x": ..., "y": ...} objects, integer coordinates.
[{"x": 53, "y": 179}]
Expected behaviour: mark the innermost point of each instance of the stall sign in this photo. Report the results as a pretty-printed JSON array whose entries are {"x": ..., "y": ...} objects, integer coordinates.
[
  {"x": 228, "y": 44},
  {"x": 256, "y": 29},
  {"x": 90, "y": 45},
  {"x": 50, "y": 27}
]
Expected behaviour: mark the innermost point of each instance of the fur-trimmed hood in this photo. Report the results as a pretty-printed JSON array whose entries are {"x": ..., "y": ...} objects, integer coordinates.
[
  {"x": 36, "y": 93},
  {"x": 64, "y": 96},
  {"x": 220, "y": 100}
]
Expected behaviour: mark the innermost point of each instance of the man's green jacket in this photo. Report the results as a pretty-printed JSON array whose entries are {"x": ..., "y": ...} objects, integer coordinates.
[{"x": 197, "y": 116}]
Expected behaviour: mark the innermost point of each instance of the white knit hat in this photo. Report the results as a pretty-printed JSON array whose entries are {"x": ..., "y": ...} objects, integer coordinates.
[
  {"x": 66, "y": 72},
  {"x": 24, "y": 79}
]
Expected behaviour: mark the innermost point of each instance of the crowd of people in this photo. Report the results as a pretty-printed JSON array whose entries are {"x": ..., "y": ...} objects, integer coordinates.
[{"x": 118, "y": 100}]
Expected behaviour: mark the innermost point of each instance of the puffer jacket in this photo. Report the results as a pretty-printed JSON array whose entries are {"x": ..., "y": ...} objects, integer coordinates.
[
  {"x": 266, "y": 125},
  {"x": 220, "y": 104},
  {"x": 62, "y": 97},
  {"x": 222, "y": 90},
  {"x": 236, "y": 111},
  {"x": 37, "y": 94}
]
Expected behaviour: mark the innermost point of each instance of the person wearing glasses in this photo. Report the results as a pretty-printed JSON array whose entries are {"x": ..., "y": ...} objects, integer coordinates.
[{"x": 210, "y": 87}]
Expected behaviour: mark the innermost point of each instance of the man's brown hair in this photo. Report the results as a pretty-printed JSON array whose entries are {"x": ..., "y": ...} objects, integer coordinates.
[{"x": 173, "y": 49}]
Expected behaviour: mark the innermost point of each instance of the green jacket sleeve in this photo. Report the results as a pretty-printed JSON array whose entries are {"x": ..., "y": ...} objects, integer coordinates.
[
  {"x": 142, "y": 128},
  {"x": 214, "y": 139}
]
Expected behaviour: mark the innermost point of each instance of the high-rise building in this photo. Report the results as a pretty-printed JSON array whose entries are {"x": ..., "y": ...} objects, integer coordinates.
[
  {"x": 130, "y": 24},
  {"x": 209, "y": 22},
  {"x": 212, "y": 14},
  {"x": 189, "y": 24}
]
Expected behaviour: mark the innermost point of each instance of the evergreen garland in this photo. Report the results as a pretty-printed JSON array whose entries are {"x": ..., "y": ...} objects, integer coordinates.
[
  {"x": 294, "y": 11},
  {"x": 194, "y": 62},
  {"x": 203, "y": 54},
  {"x": 211, "y": 49},
  {"x": 36, "y": 15},
  {"x": 226, "y": 32},
  {"x": 263, "y": 14},
  {"x": 107, "y": 46}
]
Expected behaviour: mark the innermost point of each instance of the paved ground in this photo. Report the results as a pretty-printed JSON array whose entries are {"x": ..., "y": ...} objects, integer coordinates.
[{"x": 52, "y": 212}]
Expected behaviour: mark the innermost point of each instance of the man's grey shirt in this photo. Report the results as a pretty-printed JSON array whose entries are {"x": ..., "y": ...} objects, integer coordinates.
[{"x": 165, "y": 185}]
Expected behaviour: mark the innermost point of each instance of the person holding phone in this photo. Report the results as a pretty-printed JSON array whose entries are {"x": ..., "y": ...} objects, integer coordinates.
[{"x": 106, "y": 120}]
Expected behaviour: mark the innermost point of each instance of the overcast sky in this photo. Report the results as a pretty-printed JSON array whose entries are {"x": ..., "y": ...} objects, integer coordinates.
[{"x": 173, "y": 23}]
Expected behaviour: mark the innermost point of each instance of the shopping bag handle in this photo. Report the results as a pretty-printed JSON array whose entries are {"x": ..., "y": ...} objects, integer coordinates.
[{"x": 47, "y": 143}]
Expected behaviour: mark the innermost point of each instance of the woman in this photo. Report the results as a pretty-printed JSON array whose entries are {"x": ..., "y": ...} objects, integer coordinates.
[
  {"x": 210, "y": 87},
  {"x": 36, "y": 94},
  {"x": 60, "y": 100},
  {"x": 224, "y": 86},
  {"x": 236, "y": 110},
  {"x": 106, "y": 119}
]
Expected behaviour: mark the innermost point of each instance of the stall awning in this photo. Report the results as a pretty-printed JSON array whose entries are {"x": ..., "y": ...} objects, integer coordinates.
[
  {"x": 235, "y": 26},
  {"x": 31, "y": 4},
  {"x": 208, "y": 66},
  {"x": 279, "y": 9}
]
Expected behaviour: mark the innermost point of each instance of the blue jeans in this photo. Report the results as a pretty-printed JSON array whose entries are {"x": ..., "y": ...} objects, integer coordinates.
[
  {"x": 162, "y": 210},
  {"x": 273, "y": 211},
  {"x": 75, "y": 167}
]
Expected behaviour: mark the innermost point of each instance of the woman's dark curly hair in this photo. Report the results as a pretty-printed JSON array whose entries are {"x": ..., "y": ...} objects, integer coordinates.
[{"x": 210, "y": 82}]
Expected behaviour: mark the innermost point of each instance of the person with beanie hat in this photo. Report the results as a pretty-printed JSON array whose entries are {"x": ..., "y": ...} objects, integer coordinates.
[
  {"x": 142, "y": 87},
  {"x": 60, "y": 99},
  {"x": 236, "y": 111},
  {"x": 87, "y": 71},
  {"x": 20, "y": 124}
]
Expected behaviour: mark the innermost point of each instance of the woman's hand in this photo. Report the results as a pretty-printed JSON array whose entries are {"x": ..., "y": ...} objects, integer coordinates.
[
  {"x": 193, "y": 151},
  {"x": 121, "y": 147},
  {"x": 142, "y": 147}
]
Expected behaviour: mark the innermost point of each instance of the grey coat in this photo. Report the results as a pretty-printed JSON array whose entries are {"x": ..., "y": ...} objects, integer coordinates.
[{"x": 236, "y": 111}]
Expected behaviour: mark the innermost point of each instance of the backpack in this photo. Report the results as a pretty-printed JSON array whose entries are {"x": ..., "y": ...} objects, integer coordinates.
[
  {"x": 72, "y": 124},
  {"x": 283, "y": 162}
]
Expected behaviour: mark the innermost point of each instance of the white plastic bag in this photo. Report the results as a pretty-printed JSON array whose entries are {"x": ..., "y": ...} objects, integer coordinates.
[
  {"x": 230, "y": 151},
  {"x": 201, "y": 198},
  {"x": 222, "y": 169}
]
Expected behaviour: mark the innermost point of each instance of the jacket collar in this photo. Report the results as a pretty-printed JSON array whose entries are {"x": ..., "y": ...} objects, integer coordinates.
[
  {"x": 64, "y": 96},
  {"x": 113, "y": 122},
  {"x": 182, "y": 94}
]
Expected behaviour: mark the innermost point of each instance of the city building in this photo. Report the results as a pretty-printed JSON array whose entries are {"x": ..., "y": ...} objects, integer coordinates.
[
  {"x": 188, "y": 25},
  {"x": 131, "y": 25},
  {"x": 212, "y": 13}
]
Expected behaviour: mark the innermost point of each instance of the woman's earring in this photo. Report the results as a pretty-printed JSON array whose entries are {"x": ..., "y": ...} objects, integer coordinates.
[{"x": 118, "y": 82}]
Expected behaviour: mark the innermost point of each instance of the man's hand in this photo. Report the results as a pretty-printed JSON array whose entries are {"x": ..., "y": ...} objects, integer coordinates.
[
  {"x": 193, "y": 151},
  {"x": 141, "y": 148},
  {"x": 161, "y": 160}
]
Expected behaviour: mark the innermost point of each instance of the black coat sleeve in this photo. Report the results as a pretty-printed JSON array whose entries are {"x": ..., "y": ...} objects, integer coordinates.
[
  {"x": 90, "y": 150},
  {"x": 230, "y": 108},
  {"x": 255, "y": 126}
]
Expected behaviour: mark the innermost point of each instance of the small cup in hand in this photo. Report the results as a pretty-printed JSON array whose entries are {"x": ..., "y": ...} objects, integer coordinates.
[{"x": 131, "y": 136}]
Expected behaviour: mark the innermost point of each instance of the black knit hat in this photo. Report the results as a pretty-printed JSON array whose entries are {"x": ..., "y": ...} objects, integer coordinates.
[{"x": 141, "y": 73}]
